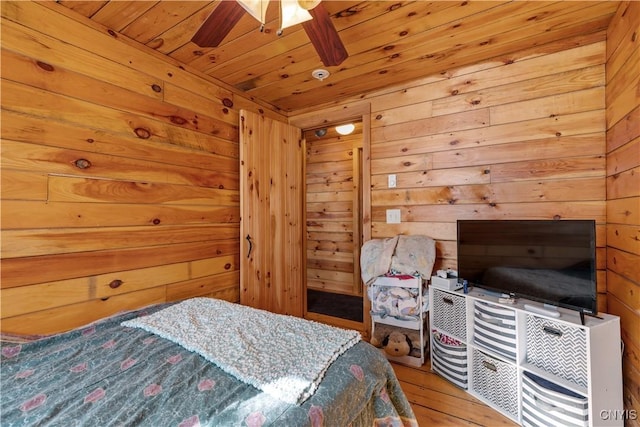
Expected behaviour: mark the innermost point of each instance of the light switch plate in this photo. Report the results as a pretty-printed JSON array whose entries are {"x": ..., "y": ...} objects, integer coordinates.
[
  {"x": 393, "y": 216},
  {"x": 392, "y": 180}
]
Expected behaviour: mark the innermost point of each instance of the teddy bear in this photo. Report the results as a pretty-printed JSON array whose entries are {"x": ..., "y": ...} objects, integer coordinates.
[{"x": 396, "y": 341}]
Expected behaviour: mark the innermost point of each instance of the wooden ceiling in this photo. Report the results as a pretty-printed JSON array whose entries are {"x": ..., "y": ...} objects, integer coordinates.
[{"x": 389, "y": 42}]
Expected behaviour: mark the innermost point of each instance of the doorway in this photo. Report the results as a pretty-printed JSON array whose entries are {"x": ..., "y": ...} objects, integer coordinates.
[
  {"x": 360, "y": 115},
  {"x": 334, "y": 221}
]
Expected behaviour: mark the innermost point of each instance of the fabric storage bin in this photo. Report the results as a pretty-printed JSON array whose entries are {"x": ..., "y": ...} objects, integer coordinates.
[
  {"x": 558, "y": 348},
  {"x": 494, "y": 328},
  {"x": 449, "y": 359},
  {"x": 545, "y": 403},
  {"x": 495, "y": 381},
  {"x": 450, "y": 313}
]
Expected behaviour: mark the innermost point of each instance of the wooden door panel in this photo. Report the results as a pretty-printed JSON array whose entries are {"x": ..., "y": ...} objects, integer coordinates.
[{"x": 271, "y": 204}]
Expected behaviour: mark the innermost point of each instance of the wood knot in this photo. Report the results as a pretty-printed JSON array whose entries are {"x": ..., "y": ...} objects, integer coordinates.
[
  {"x": 112, "y": 33},
  {"x": 346, "y": 13},
  {"x": 156, "y": 88},
  {"x": 45, "y": 66},
  {"x": 82, "y": 164},
  {"x": 142, "y": 133},
  {"x": 115, "y": 283},
  {"x": 177, "y": 120},
  {"x": 227, "y": 266},
  {"x": 156, "y": 221},
  {"x": 227, "y": 103}
]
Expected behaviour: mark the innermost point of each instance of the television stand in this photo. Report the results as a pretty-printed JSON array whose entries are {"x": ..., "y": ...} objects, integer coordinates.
[
  {"x": 532, "y": 368},
  {"x": 582, "y": 314},
  {"x": 547, "y": 310}
]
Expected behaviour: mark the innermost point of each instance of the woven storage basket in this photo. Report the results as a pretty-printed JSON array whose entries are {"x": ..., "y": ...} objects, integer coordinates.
[
  {"x": 450, "y": 313},
  {"x": 494, "y": 328},
  {"x": 496, "y": 381},
  {"x": 545, "y": 404},
  {"x": 558, "y": 348},
  {"x": 450, "y": 361}
]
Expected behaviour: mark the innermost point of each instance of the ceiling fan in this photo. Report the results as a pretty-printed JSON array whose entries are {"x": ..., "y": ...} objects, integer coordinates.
[{"x": 310, "y": 13}]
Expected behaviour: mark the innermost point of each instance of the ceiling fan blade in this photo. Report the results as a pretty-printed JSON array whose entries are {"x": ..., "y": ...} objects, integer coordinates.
[
  {"x": 324, "y": 37},
  {"x": 216, "y": 27}
]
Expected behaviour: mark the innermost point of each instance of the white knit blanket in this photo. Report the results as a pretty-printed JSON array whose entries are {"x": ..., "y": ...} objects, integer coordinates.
[{"x": 283, "y": 356}]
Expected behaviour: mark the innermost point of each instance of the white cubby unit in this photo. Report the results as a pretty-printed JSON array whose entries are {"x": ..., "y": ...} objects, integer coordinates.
[
  {"x": 535, "y": 367},
  {"x": 415, "y": 320}
]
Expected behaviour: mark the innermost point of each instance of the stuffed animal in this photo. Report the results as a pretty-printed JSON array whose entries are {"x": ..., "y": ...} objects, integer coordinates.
[
  {"x": 396, "y": 341},
  {"x": 397, "y": 344}
]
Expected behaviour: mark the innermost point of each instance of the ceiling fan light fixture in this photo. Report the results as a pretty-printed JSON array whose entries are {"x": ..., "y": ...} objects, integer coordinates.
[
  {"x": 291, "y": 14},
  {"x": 256, "y": 8},
  {"x": 308, "y": 4},
  {"x": 345, "y": 129}
]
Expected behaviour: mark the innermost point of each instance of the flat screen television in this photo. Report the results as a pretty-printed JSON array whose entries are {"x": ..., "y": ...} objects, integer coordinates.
[{"x": 550, "y": 261}]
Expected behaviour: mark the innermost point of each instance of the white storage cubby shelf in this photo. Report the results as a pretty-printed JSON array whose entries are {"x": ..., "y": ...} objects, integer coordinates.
[
  {"x": 536, "y": 369},
  {"x": 416, "y": 284}
]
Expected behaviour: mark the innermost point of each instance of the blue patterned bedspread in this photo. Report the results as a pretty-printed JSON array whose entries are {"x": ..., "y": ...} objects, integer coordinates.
[{"x": 106, "y": 374}]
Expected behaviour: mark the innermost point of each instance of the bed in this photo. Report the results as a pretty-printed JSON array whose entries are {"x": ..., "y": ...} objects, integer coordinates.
[{"x": 128, "y": 370}]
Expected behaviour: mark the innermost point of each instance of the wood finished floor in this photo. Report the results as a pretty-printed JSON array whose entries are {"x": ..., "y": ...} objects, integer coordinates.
[{"x": 437, "y": 402}]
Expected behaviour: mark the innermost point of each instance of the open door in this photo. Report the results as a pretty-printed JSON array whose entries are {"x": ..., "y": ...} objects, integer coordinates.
[{"x": 272, "y": 258}]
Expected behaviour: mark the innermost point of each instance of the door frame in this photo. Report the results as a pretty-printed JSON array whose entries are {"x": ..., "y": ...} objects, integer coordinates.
[{"x": 358, "y": 112}]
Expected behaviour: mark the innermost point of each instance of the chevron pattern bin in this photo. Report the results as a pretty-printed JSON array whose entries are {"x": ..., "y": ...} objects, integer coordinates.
[
  {"x": 558, "y": 348},
  {"x": 496, "y": 381},
  {"x": 450, "y": 313}
]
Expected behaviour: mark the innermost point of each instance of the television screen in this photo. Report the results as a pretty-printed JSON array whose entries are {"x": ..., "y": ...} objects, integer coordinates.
[{"x": 543, "y": 260}]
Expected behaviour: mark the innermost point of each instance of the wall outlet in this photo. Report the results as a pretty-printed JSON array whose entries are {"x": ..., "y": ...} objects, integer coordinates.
[
  {"x": 392, "y": 181},
  {"x": 393, "y": 216}
]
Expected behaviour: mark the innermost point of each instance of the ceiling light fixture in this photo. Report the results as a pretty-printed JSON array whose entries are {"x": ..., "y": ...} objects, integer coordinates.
[
  {"x": 292, "y": 12},
  {"x": 345, "y": 129}
]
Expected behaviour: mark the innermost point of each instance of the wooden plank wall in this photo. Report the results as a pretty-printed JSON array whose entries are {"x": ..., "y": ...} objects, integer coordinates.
[
  {"x": 332, "y": 200},
  {"x": 520, "y": 137},
  {"x": 119, "y": 175},
  {"x": 623, "y": 190}
]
